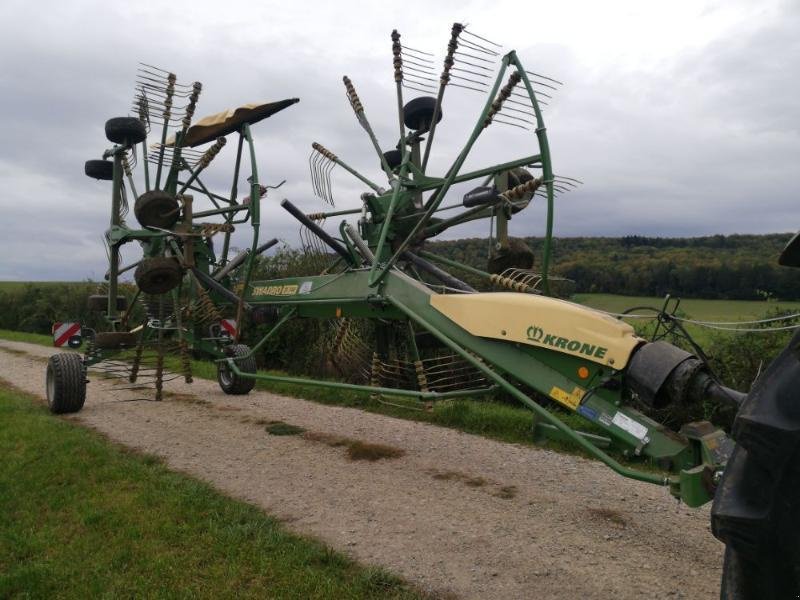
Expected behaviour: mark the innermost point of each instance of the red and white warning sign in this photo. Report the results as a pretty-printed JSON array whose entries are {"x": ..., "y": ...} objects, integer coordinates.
[
  {"x": 228, "y": 326},
  {"x": 63, "y": 331}
]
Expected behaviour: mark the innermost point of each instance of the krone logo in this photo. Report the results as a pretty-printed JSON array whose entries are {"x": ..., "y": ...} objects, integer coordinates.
[{"x": 535, "y": 333}]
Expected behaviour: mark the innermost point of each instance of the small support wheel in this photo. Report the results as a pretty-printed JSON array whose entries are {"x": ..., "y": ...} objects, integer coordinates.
[
  {"x": 156, "y": 209},
  {"x": 65, "y": 383},
  {"x": 125, "y": 131},
  {"x": 158, "y": 275},
  {"x": 99, "y": 169},
  {"x": 228, "y": 380}
]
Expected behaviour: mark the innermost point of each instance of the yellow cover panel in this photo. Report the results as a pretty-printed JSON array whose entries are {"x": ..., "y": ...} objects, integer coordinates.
[{"x": 541, "y": 321}]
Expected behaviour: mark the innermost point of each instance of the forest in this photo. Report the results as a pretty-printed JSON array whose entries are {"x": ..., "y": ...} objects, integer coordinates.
[{"x": 731, "y": 267}]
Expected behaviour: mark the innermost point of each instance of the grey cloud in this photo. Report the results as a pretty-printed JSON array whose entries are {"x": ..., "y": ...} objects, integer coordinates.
[{"x": 704, "y": 142}]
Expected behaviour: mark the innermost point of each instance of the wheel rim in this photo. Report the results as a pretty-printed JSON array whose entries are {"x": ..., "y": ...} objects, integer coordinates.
[
  {"x": 51, "y": 385},
  {"x": 225, "y": 376}
]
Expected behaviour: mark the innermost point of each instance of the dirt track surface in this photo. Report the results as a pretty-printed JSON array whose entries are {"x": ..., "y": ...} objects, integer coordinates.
[{"x": 458, "y": 514}]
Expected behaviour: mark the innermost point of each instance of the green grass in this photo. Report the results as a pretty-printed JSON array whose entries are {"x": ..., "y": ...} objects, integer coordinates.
[
  {"x": 23, "y": 336},
  {"x": 703, "y": 310},
  {"x": 699, "y": 310},
  {"x": 82, "y": 517},
  {"x": 7, "y": 286}
]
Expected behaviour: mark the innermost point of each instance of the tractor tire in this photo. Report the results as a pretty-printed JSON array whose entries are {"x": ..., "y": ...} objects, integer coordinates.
[
  {"x": 65, "y": 383},
  {"x": 99, "y": 303},
  {"x": 418, "y": 113},
  {"x": 229, "y": 381},
  {"x": 158, "y": 275},
  {"x": 115, "y": 340},
  {"x": 125, "y": 131},
  {"x": 156, "y": 209},
  {"x": 99, "y": 169},
  {"x": 756, "y": 507}
]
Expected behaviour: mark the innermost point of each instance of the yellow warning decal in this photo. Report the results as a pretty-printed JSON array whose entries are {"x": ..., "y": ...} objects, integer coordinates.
[{"x": 569, "y": 400}]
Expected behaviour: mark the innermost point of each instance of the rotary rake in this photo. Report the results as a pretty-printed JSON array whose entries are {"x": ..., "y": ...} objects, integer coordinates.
[{"x": 399, "y": 324}]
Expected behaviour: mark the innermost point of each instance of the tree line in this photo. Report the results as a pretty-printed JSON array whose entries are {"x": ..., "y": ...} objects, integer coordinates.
[{"x": 732, "y": 267}]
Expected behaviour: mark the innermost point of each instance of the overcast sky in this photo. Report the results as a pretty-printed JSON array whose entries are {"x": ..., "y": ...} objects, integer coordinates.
[{"x": 682, "y": 118}]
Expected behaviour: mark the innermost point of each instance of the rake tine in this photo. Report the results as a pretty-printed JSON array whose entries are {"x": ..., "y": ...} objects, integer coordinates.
[
  {"x": 496, "y": 120},
  {"x": 407, "y": 76},
  {"x": 483, "y": 39},
  {"x": 422, "y": 66},
  {"x": 424, "y": 56},
  {"x": 523, "y": 112},
  {"x": 538, "y": 93},
  {"x": 429, "y": 90},
  {"x": 480, "y": 58},
  {"x": 319, "y": 163},
  {"x": 528, "y": 104},
  {"x": 561, "y": 181},
  {"x": 311, "y": 170},
  {"x": 460, "y": 78},
  {"x": 425, "y": 71},
  {"x": 475, "y": 73},
  {"x": 478, "y": 48},
  {"x": 466, "y": 87},
  {"x": 544, "y": 77},
  {"x": 518, "y": 119},
  {"x": 578, "y": 181},
  {"x": 328, "y": 169}
]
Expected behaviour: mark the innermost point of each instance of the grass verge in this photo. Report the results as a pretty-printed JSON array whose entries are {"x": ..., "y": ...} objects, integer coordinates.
[{"x": 83, "y": 517}]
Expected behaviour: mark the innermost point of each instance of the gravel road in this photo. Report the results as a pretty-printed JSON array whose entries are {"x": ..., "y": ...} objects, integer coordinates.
[{"x": 457, "y": 514}]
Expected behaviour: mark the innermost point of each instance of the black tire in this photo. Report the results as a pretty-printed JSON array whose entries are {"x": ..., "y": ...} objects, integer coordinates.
[
  {"x": 99, "y": 303},
  {"x": 156, "y": 209},
  {"x": 418, "y": 113},
  {"x": 158, "y": 275},
  {"x": 65, "y": 383},
  {"x": 756, "y": 507},
  {"x": 393, "y": 159},
  {"x": 99, "y": 169},
  {"x": 125, "y": 131},
  {"x": 115, "y": 340},
  {"x": 229, "y": 381}
]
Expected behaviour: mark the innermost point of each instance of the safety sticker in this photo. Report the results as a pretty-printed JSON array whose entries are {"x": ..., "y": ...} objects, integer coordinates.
[
  {"x": 569, "y": 400},
  {"x": 228, "y": 326},
  {"x": 625, "y": 423},
  {"x": 63, "y": 331}
]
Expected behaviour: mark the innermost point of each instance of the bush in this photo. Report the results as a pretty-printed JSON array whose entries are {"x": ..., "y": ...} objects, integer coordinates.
[{"x": 34, "y": 307}]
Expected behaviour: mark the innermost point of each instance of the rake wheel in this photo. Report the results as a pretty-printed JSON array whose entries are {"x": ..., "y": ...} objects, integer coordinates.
[
  {"x": 156, "y": 209},
  {"x": 115, "y": 340},
  {"x": 158, "y": 275}
]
